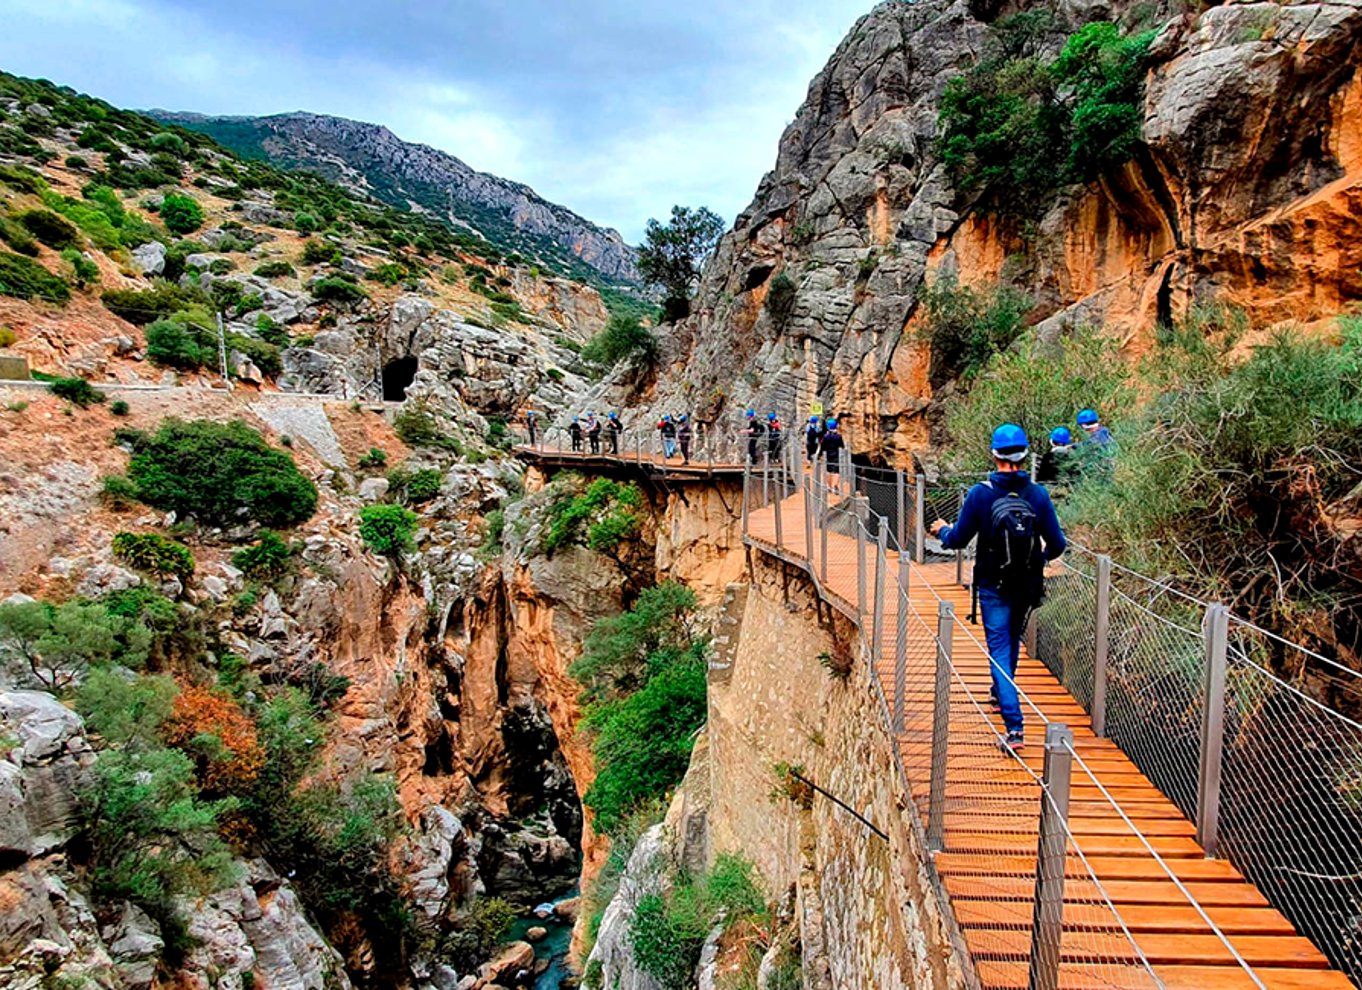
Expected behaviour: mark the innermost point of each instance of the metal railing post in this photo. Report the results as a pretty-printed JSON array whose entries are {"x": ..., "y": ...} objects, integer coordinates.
[
  {"x": 1047, "y": 921},
  {"x": 877, "y": 624},
  {"x": 901, "y": 486},
  {"x": 765, "y": 474},
  {"x": 849, "y": 470},
  {"x": 920, "y": 519},
  {"x": 746, "y": 482},
  {"x": 941, "y": 727},
  {"x": 780, "y": 531},
  {"x": 808, "y": 519},
  {"x": 960, "y": 554},
  {"x": 1212, "y": 729},
  {"x": 901, "y": 643},
  {"x": 858, "y": 504},
  {"x": 1101, "y": 646}
]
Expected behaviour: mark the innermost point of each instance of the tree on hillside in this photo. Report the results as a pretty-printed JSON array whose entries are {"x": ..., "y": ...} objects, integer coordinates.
[{"x": 672, "y": 254}]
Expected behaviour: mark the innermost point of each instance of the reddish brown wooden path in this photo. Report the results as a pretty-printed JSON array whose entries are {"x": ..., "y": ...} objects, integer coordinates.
[
  {"x": 642, "y": 462},
  {"x": 992, "y": 806}
]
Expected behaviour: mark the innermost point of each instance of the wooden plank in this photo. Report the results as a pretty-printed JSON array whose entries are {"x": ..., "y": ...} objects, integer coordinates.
[
  {"x": 1077, "y": 976},
  {"x": 1179, "y": 949},
  {"x": 1164, "y": 918},
  {"x": 1103, "y": 867},
  {"x": 1150, "y": 892}
]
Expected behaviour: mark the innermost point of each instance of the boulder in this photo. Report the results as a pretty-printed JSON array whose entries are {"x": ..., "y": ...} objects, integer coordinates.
[
  {"x": 510, "y": 961},
  {"x": 135, "y": 944},
  {"x": 536, "y": 934},
  {"x": 567, "y": 910},
  {"x": 150, "y": 258},
  {"x": 373, "y": 489}
]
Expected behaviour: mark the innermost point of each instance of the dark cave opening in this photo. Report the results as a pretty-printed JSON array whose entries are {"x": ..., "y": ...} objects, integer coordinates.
[{"x": 397, "y": 378}]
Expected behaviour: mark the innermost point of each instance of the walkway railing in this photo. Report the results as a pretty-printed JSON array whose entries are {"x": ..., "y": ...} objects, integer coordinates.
[{"x": 1270, "y": 777}]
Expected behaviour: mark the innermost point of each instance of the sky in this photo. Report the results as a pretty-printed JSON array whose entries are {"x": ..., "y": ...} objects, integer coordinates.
[{"x": 612, "y": 108}]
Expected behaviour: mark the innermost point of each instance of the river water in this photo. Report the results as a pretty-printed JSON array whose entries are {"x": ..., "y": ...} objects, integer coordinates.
[{"x": 553, "y": 947}]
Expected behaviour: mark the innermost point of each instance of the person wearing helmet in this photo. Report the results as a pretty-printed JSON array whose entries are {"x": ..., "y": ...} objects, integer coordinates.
[
  {"x": 532, "y": 426},
  {"x": 667, "y": 428},
  {"x": 593, "y": 433},
  {"x": 1091, "y": 424},
  {"x": 832, "y": 445},
  {"x": 575, "y": 432},
  {"x": 773, "y": 436},
  {"x": 1056, "y": 464},
  {"x": 813, "y": 437},
  {"x": 684, "y": 433},
  {"x": 613, "y": 429},
  {"x": 1018, "y": 533},
  {"x": 756, "y": 429}
]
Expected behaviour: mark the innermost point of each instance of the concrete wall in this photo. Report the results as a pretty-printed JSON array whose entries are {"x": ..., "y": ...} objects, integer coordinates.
[{"x": 870, "y": 912}]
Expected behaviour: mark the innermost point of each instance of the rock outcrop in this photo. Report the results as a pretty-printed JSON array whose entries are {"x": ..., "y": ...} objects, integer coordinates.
[{"x": 1247, "y": 189}]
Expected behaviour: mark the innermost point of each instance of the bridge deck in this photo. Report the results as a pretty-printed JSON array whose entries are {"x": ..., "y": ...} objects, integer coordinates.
[
  {"x": 992, "y": 807},
  {"x": 651, "y": 465}
]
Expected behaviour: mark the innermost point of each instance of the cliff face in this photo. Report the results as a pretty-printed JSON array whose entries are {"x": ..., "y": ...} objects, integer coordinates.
[
  {"x": 371, "y": 159},
  {"x": 1247, "y": 188}
]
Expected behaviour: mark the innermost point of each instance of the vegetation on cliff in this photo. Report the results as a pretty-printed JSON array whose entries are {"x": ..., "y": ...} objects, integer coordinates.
[{"x": 674, "y": 252}]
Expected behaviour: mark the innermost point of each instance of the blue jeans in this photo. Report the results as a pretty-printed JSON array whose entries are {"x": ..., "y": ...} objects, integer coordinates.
[
  {"x": 669, "y": 445},
  {"x": 1003, "y": 628}
]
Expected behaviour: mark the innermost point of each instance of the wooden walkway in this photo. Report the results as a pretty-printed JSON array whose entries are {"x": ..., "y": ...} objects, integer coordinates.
[
  {"x": 993, "y": 800},
  {"x": 650, "y": 465}
]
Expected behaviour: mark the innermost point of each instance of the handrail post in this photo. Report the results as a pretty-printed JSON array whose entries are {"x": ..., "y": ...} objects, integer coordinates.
[
  {"x": 780, "y": 532},
  {"x": 960, "y": 554},
  {"x": 901, "y": 486},
  {"x": 808, "y": 519},
  {"x": 901, "y": 642},
  {"x": 746, "y": 483},
  {"x": 1212, "y": 729},
  {"x": 941, "y": 727},
  {"x": 1052, "y": 849},
  {"x": 859, "y": 503},
  {"x": 920, "y": 519},
  {"x": 877, "y": 624},
  {"x": 765, "y": 475},
  {"x": 1101, "y": 646}
]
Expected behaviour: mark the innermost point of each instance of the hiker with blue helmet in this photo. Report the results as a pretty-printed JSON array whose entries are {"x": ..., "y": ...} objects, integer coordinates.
[
  {"x": 1091, "y": 424},
  {"x": 613, "y": 429},
  {"x": 593, "y": 432},
  {"x": 1056, "y": 464},
  {"x": 575, "y": 432},
  {"x": 667, "y": 428},
  {"x": 756, "y": 429},
  {"x": 813, "y": 437},
  {"x": 1018, "y": 533},
  {"x": 684, "y": 434},
  {"x": 832, "y": 444},
  {"x": 532, "y": 426},
  {"x": 773, "y": 433}
]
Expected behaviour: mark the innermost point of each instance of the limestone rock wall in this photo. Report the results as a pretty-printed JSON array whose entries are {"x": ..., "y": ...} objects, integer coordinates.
[{"x": 1247, "y": 189}]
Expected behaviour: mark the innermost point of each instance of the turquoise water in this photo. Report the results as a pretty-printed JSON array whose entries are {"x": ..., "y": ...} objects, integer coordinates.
[{"x": 553, "y": 947}]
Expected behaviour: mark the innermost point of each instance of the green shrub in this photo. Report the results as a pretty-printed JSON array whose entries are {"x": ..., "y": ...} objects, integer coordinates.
[
  {"x": 119, "y": 407},
  {"x": 620, "y": 651},
  {"x": 319, "y": 252},
  {"x": 780, "y": 300},
  {"x": 50, "y": 228},
  {"x": 17, "y": 237},
  {"x": 24, "y": 278},
  {"x": 966, "y": 326},
  {"x": 387, "y": 529},
  {"x": 375, "y": 458},
  {"x": 493, "y": 532},
  {"x": 83, "y": 270},
  {"x": 623, "y": 338},
  {"x": 388, "y": 274},
  {"x": 76, "y": 391},
  {"x": 423, "y": 485},
  {"x": 143, "y": 306},
  {"x": 604, "y": 516},
  {"x": 22, "y": 178},
  {"x": 154, "y": 554},
  {"x": 180, "y": 213},
  {"x": 169, "y": 143},
  {"x": 58, "y": 644},
  {"x": 416, "y": 426},
  {"x": 263, "y": 355},
  {"x": 334, "y": 288},
  {"x": 175, "y": 345},
  {"x": 220, "y": 473},
  {"x": 268, "y": 558},
  {"x": 275, "y": 269},
  {"x": 477, "y": 932},
  {"x": 305, "y": 223},
  {"x": 117, "y": 492}
]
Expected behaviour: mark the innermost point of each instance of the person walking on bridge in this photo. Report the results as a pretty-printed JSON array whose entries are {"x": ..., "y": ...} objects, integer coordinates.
[
  {"x": 684, "y": 433},
  {"x": 613, "y": 429},
  {"x": 1018, "y": 533},
  {"x": 1056, "y": 464},
  {"x": 773, "y": 435},
  {"x": 754, "y": 431},
  {"x": 667, "y": 428},
  {"x": 813, "y": 438},
  {"x": 593, "y": 433},
  {"x": 532, "y": 426},
  {"x": 575, "y": 433},
  {"x": 832, "y": 445}
]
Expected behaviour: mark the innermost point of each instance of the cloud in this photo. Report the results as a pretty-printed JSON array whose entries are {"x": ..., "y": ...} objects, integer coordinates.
[{"x": 614, "y": 109}]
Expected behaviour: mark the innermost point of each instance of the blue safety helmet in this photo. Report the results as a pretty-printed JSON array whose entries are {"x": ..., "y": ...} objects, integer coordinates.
[
  {"x": 751, "y": 413},
  {"x": 1061, "y": 437},
  {"x": 1088, "y": 417},
  {"x": 813, "y": 419},
  {"x": 684, "y": 417},
  {"x": 574, "y": 419},
  {"x": 614, "y": 415},
  {"x": 832, "y": 424},
  {"x": 1010, "y": 443},
  {"x": 771, "y": 417}
]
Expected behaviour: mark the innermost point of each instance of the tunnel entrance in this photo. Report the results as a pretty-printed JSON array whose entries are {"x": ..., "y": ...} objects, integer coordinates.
[{"x": 397, "y": 378}]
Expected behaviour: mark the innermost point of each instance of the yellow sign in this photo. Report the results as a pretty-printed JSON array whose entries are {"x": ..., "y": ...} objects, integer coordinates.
[{"x": 816, "y": 409}]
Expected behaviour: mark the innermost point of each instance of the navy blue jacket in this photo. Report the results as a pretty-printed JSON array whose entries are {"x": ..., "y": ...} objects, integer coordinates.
[{"x": 976, "y": 519}]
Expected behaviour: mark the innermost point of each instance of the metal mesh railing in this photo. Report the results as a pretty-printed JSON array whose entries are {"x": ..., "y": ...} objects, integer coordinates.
[{"x": 1284, "y": 803}]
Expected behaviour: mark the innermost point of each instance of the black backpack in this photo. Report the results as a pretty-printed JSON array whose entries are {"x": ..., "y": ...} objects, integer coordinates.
[{"x": 1015, "y": 547}]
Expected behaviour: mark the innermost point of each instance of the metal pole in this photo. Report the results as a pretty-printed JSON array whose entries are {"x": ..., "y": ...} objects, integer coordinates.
[
  {"x": 920, "y": 518},
  {"x": 960, "y": 554},
  {"x": 1052, "y": 848},
  {"x": 824, "y": 521},
  {"x": 746, "y": 482},
  {"x": 222, "y": 350},
  {"x": 877, "y": 623},
  {"x": 901, "y": 643},
  {"x": 901, "y": 484},
  {"x": 780, "y": 532},
  {"x": 941, "y": 727},
  {"x": 1212, "y": 729},
  {"x": 808, "y": 519},
  {"x": 858, "y": 504},
  {"x": 1101, "y": 646},
  {"x": 765, "y": 474}
]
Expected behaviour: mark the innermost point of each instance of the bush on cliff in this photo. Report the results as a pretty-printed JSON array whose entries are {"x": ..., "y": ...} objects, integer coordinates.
[
  {"x": 157, "y": 555},
  {"x": 387, "y": 529},
  {"x": 967, "y": 325},
  {"x": 24, "y": 278},
  {"x": 219, "y": 473},
  {"x": 623, "y": 339}
]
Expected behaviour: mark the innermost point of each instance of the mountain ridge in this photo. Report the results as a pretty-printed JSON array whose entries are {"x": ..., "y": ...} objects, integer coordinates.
[{"x": 371, "y": 159}]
